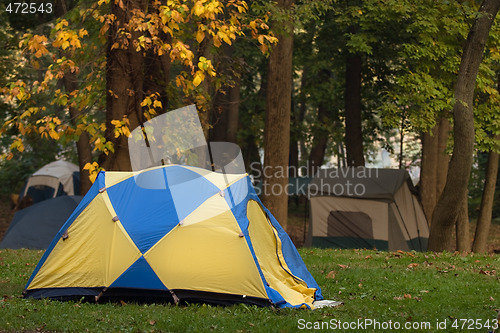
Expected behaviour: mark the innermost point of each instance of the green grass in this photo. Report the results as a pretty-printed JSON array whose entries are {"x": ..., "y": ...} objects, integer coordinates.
[{"x": 390, "y": 288}]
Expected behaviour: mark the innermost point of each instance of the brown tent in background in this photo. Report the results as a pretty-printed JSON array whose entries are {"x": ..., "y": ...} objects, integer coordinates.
[{"x": 366, "y": 208}]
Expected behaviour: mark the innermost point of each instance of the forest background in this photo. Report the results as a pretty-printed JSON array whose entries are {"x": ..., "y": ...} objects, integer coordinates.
[{"x": 293, "y": 83}]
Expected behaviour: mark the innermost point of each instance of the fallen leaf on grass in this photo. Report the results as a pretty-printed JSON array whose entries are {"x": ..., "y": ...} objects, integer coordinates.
[
  {"x": 330, "y": 275},
  {"x": 152, "y": 322},
  {"x": 343, "y": 266},
  {"x": 488, "y": 273},
  {"x": 412, "y": 265},
  {"x": 400, "y": 298},
  {"x": 399, "y": 253}
]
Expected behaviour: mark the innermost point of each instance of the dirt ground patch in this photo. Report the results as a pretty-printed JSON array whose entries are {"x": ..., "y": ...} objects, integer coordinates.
[{"x": 6, "y": 215}]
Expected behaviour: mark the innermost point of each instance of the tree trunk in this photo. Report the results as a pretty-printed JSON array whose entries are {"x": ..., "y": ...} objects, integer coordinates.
[
  {"x": 83, "y": 146},
  {"x": 225, "y": 116},
  {"x": 124, "y": 86},
  {"x": 443, "y": 159},
  {"x": 352, "y": 96},
  {"x": 205, "y": 108},
  {"x": 218, "y": 132},
  {"x": 250, "y": 145},
  {"x": 484, "y": 218},
  {"x": 156, "y": 76},
  {"x": 463, "y": 233},
  {"x": 434, "y": 165},
  {"x": 320, "y": 140},
  {"x": 297, "y": 118},
  {"x": 277, "y": 130},
  {"x": 233, "y": 112},
  {"x": 226, "y": 105},
  {"x": 293, "y": 168},
  {"x": 428, "y": 172},
  {"x": 446, "y": 213}
]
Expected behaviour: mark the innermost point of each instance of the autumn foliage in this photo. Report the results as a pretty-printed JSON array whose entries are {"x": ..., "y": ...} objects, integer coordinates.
[{"x": 74, "y": 51}]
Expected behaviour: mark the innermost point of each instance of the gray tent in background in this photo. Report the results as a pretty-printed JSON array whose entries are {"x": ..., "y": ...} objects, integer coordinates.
[
  {"x": 34, "y": 227},
  {"x": 52, "y": 180},
  {"x": 366, "y": 208}
]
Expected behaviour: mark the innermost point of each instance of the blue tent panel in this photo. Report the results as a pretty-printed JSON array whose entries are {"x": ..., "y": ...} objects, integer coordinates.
[{"x": 139, "y": 275}]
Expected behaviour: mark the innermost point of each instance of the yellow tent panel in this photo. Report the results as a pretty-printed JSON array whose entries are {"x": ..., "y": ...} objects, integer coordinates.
[{"x": 96, "y": 251}]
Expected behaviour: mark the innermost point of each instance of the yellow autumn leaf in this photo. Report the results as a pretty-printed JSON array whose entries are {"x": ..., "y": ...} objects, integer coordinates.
[
  {"x": 217, "y": 42},
  {"x": 198, "y": 8},
  {"x": 200, "y": 36},
  {"x": 91, "y": 166},
  {"x": 198, "y": 78},
  {"x": 242, "y": 9},
  {"x": 146, "y": 101},
  {"x": 263, "y": 48},
  {"x": 21, "y": 129},
  {"x": 82, "y": 33},
  {"x": 126, "y": 131},
  {"x": 39, "y": 53},
  {"x": 224, "y": 37},
  {"x": 75, "y": 42},
  {"x": 17, "y": 144},
  {"x": 176, "y": 16},
  {"x": 157, "y": 104},
  {"x": 93, "y": 169},
  {"x": 27, "y": 113},
  {"x": 54, "y": 135},
  {"x": 61, "y": 24}
]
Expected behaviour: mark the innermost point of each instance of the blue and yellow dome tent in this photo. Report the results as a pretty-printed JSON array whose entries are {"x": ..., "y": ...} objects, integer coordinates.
[
  {"x": 186, "y": 241},
  {"x": 177, "y": 233}
]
